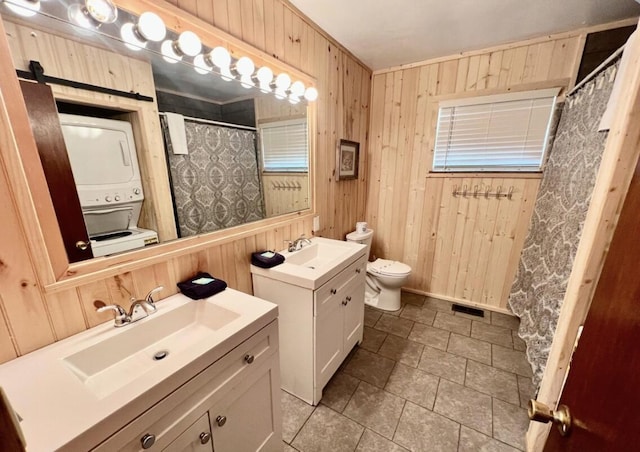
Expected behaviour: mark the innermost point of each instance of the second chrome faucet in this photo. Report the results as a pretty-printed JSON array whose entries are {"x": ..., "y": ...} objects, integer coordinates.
[{"x": 139, "y": 309}]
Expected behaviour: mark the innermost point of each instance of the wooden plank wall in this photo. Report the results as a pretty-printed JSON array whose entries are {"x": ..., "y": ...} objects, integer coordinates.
[
  {"x": 31, "y": 319},
  {"x": 460, "y": 248}
]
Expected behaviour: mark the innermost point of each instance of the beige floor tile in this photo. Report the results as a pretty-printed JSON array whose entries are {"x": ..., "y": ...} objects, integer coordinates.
[
  {"x": 422, "y": 430},
  {"x": 492, "y": 333},
  {"x": 511, "y": 360},
  {"x": 375, "y": 409},
  {"x": 338, "y": 391},
  {"x": 492, "y": 381},
  {"x": 412, "y": 298},
  {"x": 394, "y": 325},
  {"x": 464, "y": 405},
  {"x": 412, "y": 384},
  {"x": 518, "y": 343},
  {"x": 371, "y": 316},
  {"x": 372, "y": 442},
  {"x": 475, "y": 318},
  {"x": 370, "y": 367},
  {"x": 472, "y": 441},
  {"x": 372, "y": 339},
  {"x": 452, "y": 323},
  {"x": 401, "y": 350},
  {"x": 428, "y": 335},
  {"x": 287, "y": 448},
  {"x": 295, "y": 413},
  {"x": 527, "y": 390},
  {"x": 327, "y": 430},
  {"x": 504, "y": 320},
  {"x": 443, "y": 364},
  {"x": 510, "y": 423},
  {"x": 417, "y": 314},
  {"x": 437, "y": 305},
  {"x": 470, "y": 348}
]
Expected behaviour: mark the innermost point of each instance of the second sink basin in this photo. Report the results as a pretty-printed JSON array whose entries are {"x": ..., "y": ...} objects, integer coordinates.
[{"x": 108, "y": 365}]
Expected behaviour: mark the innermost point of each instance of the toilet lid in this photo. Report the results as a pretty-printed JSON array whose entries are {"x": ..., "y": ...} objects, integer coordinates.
[{"x": 388, "y": 268}]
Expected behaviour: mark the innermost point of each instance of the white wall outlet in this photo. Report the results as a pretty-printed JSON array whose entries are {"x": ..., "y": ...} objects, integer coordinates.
[{"x": 316, "y": 223}]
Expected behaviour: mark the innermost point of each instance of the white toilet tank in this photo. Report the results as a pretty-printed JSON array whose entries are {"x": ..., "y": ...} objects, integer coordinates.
[{"x": 362, "y": 237}]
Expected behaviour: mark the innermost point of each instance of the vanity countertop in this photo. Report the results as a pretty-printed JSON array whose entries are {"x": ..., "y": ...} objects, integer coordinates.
[{"x": 59, "y": 408}]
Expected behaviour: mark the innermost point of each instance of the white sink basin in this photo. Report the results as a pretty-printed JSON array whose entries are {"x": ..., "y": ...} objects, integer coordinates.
[
  {"x": 117, "y": 360},
  {"x": 101, "y": 379},
  {"x": 314, "y": 264}
]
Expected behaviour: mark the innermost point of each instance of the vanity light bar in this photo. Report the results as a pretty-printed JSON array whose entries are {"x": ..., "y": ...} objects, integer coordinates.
[{"x": 24, "y": 8}]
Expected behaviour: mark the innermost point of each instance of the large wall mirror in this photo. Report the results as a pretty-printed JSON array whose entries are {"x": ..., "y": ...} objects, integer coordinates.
[{"x": 196, "y": 147}]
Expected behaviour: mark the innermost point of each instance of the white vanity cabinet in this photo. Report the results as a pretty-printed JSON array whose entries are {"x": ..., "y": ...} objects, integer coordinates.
[
  {"x": 233, "y": 405},
  {"x": 318, "y": 328}
]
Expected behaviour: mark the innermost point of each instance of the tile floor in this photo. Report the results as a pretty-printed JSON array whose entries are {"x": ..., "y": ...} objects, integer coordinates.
[{"x": 423, "y": 379}]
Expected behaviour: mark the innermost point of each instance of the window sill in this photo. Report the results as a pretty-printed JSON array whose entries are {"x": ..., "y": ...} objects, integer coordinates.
[{"x": 506, "y": 175}]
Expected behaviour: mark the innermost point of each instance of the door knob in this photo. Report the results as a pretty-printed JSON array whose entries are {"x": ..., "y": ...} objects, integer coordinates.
[
  {"x": 540, "y": 412},
  {"x": 82, "y": 246}
]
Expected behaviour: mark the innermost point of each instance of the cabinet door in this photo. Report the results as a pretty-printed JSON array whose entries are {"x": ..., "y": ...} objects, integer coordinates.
[
  {"x": 196, "y": 438},
  {"x": 354, "y": 315},
  {"x": 248, "y": 419},
  {"x": 328, "y": 340}
]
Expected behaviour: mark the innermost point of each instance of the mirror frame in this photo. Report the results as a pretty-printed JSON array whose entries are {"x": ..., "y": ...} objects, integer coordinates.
[{"x": 31, "y": 191}]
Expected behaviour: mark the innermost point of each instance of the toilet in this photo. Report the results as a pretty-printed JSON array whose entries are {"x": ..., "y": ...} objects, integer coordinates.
[{"x": 385, "y": 277}]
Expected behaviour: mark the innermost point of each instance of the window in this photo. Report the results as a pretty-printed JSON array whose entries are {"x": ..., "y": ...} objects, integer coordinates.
[
  {"x": 505, "y": 132},
  {"x": 284, "y": 146}
]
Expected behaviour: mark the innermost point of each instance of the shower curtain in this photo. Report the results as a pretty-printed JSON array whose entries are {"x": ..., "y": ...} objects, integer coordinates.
[
  {"x": 559, "y": 213},
  {"x": 216, "y": 184}
]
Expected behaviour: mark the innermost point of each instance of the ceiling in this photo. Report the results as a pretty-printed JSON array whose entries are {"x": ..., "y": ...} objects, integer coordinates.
[{"x": 386, "y": 33}]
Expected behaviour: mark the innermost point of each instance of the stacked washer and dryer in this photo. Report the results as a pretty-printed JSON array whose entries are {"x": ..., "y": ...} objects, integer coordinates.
[{"x": 385, "y": 278}]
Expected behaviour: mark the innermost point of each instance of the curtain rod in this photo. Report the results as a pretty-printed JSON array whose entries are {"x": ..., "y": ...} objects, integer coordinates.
[
  {"x": 597, "y": 70},
  {"x": 216, "y": 123}
]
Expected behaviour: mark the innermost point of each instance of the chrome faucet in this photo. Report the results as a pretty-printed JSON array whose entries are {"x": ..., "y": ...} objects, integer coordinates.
[
  {"x": 139, "y": 309},
  {"x": 298, "y": 243}
]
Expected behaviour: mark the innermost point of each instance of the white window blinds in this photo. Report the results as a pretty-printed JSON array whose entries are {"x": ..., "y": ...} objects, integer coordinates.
[
  {"x": 506, "y": 132},
  {"x": 284, "y": 145}
]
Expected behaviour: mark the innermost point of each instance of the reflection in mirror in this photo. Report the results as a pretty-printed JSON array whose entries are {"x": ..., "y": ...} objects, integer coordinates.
[{"x": 232, "y": 154}]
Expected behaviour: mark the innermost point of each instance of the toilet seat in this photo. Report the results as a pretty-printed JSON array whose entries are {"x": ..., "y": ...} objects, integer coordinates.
[{"x": 385, "y": 267}]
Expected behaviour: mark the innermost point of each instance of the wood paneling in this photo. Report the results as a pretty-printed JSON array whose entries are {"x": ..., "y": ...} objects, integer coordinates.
[
  {"x": 31, "y": 319},
  {"x": 285, "y": 193},
  {"x": 460, "y": 248}
]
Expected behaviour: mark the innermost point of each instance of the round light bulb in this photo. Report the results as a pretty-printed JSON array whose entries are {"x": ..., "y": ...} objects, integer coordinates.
[
  {"x": 76, "y": 15},
  {"x": 246, "y": 81},
  {"x": 245, "y": 66},
  {"x": 189, "y": 43},
  {"x": 168, "y": 53},
  {"x": 200, "y": 65},
  {"x": 226, "y": 74},
  {"x": 220, "y": 57},
  {"x": 264, "y": 75},
  {"x": 280, "y": 93},
  {"x": 297, "y": 89},
  {"x": 103, "y": 11},
  {"x": 294, "y": 99},
  {"x": 151, "y": 27},
  {"x": 131, "y": 40},
  {"x": 311, "y": 94},
  {"x": 283, "y": 81},
  {"x": 24, "y": 8}
]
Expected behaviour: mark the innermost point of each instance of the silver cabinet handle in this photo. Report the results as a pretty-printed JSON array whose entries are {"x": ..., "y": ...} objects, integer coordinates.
[
  {"x": 148, "y": 440},
  {"x": 348, "y": 298},
  {"x": 358, "y": 270},
  {"x": 221, "y": 420},
  {"x": 205, "y": 437},
  {"x": 81, "y": 245},
  {"x": 248, "y": 358},
  {"x": 333, "y": 291},
  {"x": 344, "y": 302}
]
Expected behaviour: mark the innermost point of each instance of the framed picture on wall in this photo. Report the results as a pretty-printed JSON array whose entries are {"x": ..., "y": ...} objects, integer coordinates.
[{"x": 347, "y": 160}]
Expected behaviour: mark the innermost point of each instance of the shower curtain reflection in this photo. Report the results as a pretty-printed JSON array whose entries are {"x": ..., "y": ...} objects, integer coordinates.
[{"x": 216, "y": 183}]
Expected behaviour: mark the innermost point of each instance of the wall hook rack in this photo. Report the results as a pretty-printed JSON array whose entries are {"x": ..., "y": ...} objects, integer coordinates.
[{"x": 487, "y": 192}]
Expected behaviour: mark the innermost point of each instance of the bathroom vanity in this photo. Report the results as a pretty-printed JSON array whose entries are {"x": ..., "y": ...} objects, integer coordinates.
[
  {"x": 196, "y": 375},
  {"x": 319, "y": 291}
]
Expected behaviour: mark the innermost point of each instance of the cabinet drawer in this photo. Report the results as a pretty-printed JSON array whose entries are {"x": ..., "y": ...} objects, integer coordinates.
[
  {"x": 336, "y": 286},
  {"x": 175, "y": 413}
]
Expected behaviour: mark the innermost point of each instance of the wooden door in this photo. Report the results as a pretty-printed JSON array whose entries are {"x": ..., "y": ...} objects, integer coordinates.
[
  {"x": 45, "y": 124},
  {"x": 603, "y": 387}
]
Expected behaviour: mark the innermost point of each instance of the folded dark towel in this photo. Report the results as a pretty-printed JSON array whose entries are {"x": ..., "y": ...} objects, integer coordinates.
[
  {"x": 202, "y": 285},
  {"x": 266, "y": 259}
]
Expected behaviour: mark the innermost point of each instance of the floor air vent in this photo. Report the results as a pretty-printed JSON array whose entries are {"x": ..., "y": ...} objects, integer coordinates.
[{"x": 467, "y": 310}]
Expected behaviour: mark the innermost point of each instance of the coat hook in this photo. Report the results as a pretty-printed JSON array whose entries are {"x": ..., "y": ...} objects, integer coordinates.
[
  {"x": 487, "y": 191},
  {"x": 455, "y": 190},
  {"x": 475, "y": 191},
  {"x": 510, "y": 193},
  {"x": 464, "y": 190},
  {"x": 498, "y": 190}
]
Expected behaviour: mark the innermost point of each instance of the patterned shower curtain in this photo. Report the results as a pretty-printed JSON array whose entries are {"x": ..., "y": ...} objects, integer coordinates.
[
  {"x": 217, "y": 184},
  {"x": 558, "y": 217}
]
